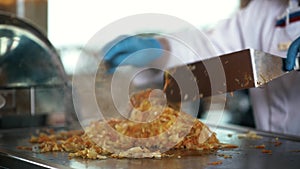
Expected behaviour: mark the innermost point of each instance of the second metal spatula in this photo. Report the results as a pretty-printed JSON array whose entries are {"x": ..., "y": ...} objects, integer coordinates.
[{"x": 226, "y": 73}]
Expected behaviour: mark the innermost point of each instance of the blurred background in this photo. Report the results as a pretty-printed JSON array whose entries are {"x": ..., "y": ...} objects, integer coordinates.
[
  {"x": 73, "y": 23},
  {"x": 69, "y": 24}
]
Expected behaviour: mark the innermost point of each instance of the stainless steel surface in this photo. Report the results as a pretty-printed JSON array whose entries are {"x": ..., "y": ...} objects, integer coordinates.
[
  {"x": 32, "y": 102},
  {"x": 226, "y": 73},
  {"x": 27, "y": 58},
  {"x": 286, "y": 155},
  {"x": 266, "y": 67},
  {"x": 32, "y": 78},
  {"x": 2, "y": 101},
  {"x": 25, "y": 108}
]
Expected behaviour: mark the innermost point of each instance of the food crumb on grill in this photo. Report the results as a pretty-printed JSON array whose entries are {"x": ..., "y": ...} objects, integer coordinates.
[
  {"x": 225, "y": 156},
  {"x": 24, "y": 148},
  {"x": 265, "y": 151},
  {"x": 228, "y": 146},
  {"x": 249, "y": 135},
  {"x": 277, "y": 143},
  {"x": 138, "y": 152},
  {"x": 215, "y": 163},
  {"x": 260, "y": 146}
]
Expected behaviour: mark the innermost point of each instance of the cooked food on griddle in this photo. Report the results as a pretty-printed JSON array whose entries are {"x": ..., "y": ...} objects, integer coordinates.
[{"x": 151, "y": 130}]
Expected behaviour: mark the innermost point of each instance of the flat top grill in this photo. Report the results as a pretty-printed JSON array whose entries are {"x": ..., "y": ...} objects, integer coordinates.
[{"x": 286, "y": 155}]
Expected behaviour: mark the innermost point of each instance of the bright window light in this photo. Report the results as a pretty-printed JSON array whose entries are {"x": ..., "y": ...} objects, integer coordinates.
[
  {"x": 74, "y": 22},
  {"x": 71, "y": 23}
]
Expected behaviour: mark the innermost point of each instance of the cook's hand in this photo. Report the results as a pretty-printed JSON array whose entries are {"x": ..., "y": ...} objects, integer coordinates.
[
  {"x": 293, "y": 52},
  {"x": 132, "y": 51}
]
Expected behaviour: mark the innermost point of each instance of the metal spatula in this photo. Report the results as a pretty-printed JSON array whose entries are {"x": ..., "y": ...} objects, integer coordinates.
[{"x": 226, "y": 73}]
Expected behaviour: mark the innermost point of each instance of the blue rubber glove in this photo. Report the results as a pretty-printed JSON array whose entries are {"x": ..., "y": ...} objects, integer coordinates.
[
  {"x": 293, "y": 52},
  {"x": 133, "y": 50}
]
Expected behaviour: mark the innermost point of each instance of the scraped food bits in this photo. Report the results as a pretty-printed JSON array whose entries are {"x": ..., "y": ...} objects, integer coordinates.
[
  {"x": 215, "y": 163},
  {"x": 250, "y": 135},
  {"x": 170, "y": 129},
  {"x": 265, "y": 151},
  {"x": 260, "y": 146}
]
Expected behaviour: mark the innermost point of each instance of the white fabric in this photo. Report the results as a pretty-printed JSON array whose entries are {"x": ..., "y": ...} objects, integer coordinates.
[{"x": 277, "y": 105}]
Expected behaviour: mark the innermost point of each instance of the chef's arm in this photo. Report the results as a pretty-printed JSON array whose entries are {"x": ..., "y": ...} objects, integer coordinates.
[
  {"x": 134, "y": 50},
  {"x": 174, "y": 49}
]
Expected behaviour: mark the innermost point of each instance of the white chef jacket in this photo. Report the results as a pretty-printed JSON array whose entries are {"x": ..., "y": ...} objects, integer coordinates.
[{"x": 276, "y": 105}]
